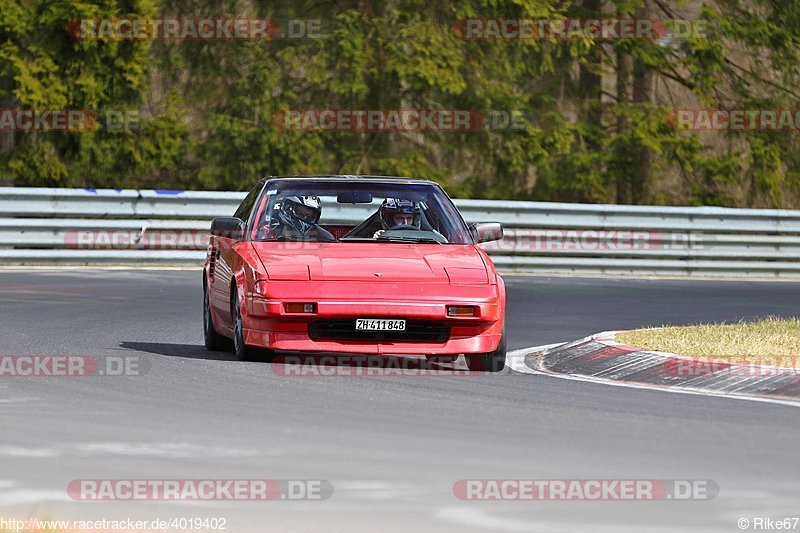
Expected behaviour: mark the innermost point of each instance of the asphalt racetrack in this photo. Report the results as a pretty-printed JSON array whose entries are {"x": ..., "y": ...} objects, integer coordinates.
[{"x": 392, "y": 447}]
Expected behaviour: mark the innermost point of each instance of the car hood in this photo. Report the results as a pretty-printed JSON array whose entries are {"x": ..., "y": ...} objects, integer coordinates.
[{"x": 372, "y": 262}]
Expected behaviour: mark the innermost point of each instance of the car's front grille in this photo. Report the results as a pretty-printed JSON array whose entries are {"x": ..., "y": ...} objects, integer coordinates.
[{"x": 345, "y": 329}]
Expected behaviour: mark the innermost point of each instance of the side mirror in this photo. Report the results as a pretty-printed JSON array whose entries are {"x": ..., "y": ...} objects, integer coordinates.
[
  {"x": 486, "y": 231},
  {"x": 229, "y": 227}
]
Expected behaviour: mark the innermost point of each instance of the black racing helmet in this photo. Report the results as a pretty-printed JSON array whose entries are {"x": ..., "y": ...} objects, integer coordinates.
[
  {"x": 398, "y": 206},
  {"x": 300, "y": 212}
]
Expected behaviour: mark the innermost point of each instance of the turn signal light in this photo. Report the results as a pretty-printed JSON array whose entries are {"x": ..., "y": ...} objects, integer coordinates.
[
  {"x": 462, "y": 310},
  {"x": 300, "y": 307}
]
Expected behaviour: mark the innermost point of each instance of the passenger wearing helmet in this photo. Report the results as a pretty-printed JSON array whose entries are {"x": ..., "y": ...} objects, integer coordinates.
[
  {"x": 397, "y": 212},
  {"x": 298, "y": 220}
]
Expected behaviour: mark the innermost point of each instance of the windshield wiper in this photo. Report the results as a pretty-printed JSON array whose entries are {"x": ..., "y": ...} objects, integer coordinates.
[
  {"x": 356, "y": 239},
  {"x": 417, "y": 240}
]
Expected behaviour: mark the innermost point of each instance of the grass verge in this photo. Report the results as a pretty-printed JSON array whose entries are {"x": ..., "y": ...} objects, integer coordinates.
[{"x": 768, "y": 341}]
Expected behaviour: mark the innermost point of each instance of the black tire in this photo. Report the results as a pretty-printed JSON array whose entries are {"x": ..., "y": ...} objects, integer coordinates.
[
  {"x": 489, "y": 362},
  {"x": 213, "y": 340},
  {"x": 243, "y": 352}
]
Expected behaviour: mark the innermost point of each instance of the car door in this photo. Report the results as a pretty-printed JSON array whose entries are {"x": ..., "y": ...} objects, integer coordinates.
[{"x": 222, "y": 261}]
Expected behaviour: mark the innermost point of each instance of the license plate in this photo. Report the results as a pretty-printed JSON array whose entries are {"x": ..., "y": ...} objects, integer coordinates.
[{"x": 380, "y": 324}]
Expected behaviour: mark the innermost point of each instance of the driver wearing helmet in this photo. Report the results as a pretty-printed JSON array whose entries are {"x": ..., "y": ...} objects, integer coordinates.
[
  {"x": 298, "y": 220},
  {"x": 397, "y": 212}
]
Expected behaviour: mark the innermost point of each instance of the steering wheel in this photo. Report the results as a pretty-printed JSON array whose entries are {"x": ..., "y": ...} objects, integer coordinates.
[{"x": 406, "y": 227}]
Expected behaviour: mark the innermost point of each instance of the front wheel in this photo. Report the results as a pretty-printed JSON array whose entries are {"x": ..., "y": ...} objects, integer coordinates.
[
  {"x": 213, "y": 340},
  {"x": 489, "y": 362}
]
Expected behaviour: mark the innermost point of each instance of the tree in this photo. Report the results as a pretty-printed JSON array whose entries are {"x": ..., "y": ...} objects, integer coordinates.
[{"x": 43, "y": 67}]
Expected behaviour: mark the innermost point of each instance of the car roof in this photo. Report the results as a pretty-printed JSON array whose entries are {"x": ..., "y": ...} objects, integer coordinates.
[{"x": 345, "y": 177}]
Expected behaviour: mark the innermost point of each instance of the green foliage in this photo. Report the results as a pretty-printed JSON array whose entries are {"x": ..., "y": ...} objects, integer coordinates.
[
  {"x": 598, "y": 128},
  {"x": 44, "y": 68}
]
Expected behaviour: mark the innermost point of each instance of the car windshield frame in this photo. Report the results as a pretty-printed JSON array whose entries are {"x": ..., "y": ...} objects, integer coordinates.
[{"x": 433, "y": 198}]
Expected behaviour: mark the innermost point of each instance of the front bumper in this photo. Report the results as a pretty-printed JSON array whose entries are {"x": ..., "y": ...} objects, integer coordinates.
[
  {"x": 268, "y": 325},
  {"x": 300, "y": 342}
]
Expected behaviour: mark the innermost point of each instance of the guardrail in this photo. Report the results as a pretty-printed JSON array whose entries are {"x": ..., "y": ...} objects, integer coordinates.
[{"x": 130, "y": 227}]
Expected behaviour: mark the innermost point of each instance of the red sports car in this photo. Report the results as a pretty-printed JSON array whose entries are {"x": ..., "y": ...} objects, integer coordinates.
[{"x": 369, "y": 265}]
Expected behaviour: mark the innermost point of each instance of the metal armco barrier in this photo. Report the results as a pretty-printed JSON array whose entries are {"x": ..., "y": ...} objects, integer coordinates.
[{"x": 130, "y": 227}]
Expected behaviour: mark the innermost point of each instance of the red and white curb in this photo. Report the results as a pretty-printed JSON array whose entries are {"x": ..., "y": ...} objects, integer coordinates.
[{"x": 601, "y": 359}]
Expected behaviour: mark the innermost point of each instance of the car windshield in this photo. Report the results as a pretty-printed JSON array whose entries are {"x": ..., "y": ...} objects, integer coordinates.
[{"x": 357, "y": 211}]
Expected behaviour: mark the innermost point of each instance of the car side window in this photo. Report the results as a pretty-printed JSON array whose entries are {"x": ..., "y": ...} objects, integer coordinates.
[{"x": 243, "y": 212}]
